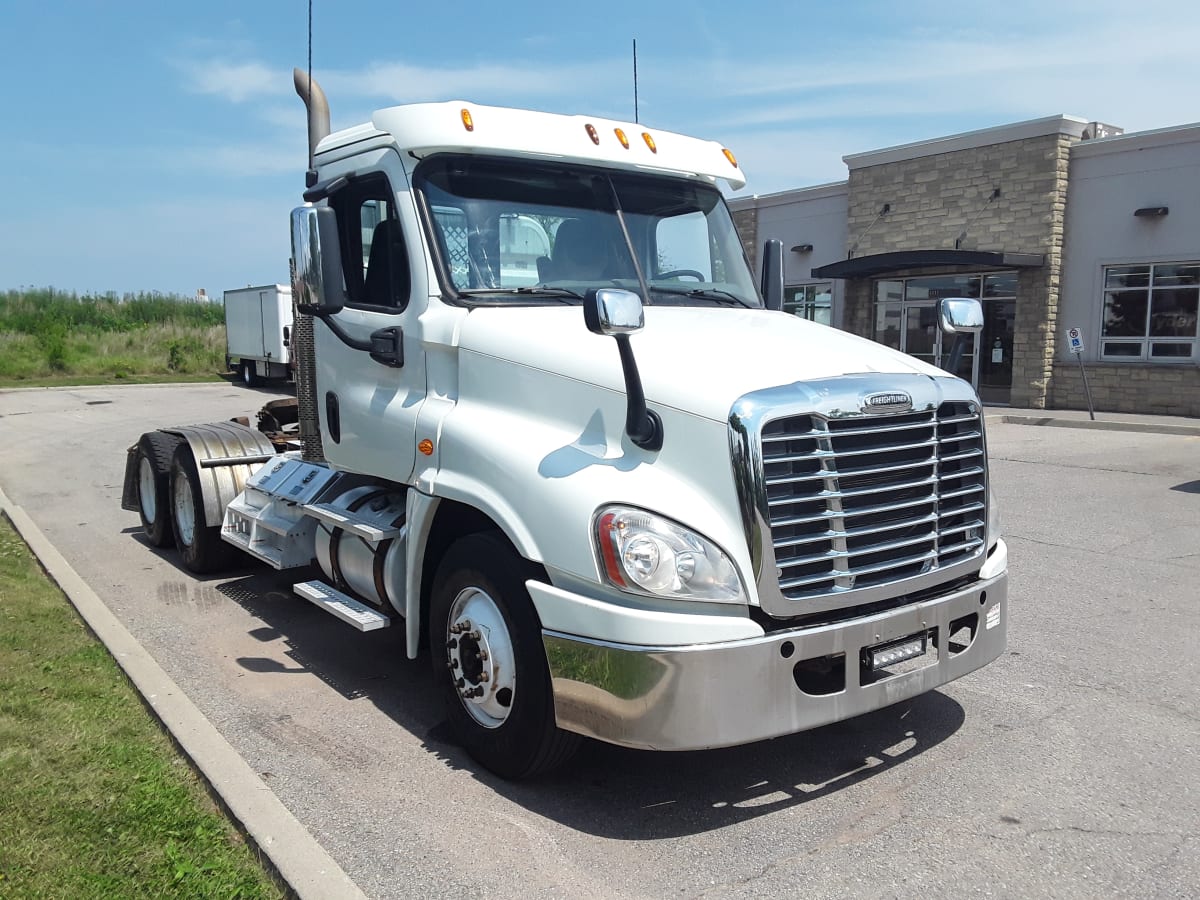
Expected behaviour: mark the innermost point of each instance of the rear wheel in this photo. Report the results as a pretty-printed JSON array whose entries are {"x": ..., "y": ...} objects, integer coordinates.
[
  {"x": 249, "y": 373},
  {"x": 154, "y": 452},
  {"x": 199, "y": 544},
  {"x": 489, "y": 662}
]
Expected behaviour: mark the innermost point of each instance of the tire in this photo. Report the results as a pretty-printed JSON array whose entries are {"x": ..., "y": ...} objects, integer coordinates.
[
  {"x": 485, "y": 640},
  {"x": 249, "y": 375},
  {"x": 200, "y": 545},
  {"x": 154, "y": 453}
]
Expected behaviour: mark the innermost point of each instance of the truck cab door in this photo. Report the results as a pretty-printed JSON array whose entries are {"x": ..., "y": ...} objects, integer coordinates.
[{"x": 368, "y": 400}]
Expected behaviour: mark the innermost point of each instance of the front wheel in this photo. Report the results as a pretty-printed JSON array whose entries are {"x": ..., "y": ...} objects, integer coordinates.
[{"x": 486, "y": 643}]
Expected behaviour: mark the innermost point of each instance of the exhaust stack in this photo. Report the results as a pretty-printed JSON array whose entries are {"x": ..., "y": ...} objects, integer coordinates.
[
  {"x": 318, "y": 115},
  {"x": 312, "y": 449}
]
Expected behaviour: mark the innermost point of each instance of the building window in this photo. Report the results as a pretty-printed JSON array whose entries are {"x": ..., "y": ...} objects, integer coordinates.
[
  {"x": 810, "y": 301},
  {"x": 1150, "y": 312}
]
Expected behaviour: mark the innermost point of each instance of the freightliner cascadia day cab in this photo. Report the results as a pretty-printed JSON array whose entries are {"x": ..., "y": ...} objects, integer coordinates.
[{"x": 549, "y": 426}]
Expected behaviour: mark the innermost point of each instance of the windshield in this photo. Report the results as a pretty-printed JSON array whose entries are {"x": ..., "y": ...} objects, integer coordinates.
[{"x": 526, "y": 232}]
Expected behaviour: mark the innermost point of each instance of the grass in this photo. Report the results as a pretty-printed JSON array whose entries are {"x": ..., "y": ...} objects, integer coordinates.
[
  {"x": 94, "y": 800},
  {"x": 50, "y": 337}
]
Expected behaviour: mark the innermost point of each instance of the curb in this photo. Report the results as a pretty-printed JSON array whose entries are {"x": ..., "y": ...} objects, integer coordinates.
[
  {"x": 1099, "y": 424},
  {"x": 300, "y": 861}
]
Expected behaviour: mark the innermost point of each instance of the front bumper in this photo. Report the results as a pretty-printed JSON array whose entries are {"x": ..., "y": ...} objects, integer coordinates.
[{"x": 736, "y": 692}]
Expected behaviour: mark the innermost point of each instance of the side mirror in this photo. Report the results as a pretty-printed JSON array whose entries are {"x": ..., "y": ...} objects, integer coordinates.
[
  {"x": 618, "y": 314},
  {"x": 612, "y": 311},
  {"x": 772, "y": 275},
  {"x": 317, "y": 274},
  {"x": 960, "y": 314}
]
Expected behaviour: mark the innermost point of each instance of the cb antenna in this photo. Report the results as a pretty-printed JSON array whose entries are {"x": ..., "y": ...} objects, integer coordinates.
[{"x": 635, "y": 97}]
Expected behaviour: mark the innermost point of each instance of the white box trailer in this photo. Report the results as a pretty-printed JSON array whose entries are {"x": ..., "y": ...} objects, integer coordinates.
[{"x": 258, "y": 332}]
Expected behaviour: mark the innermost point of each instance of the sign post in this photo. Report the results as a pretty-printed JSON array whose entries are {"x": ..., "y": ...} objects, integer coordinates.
[{"x": 1075, "y": 338}]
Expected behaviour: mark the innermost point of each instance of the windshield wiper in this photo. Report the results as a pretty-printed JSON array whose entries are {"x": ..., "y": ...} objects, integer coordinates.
[
  {"x": 556, "y": 292},
  {"x": 715, "y": 294}
]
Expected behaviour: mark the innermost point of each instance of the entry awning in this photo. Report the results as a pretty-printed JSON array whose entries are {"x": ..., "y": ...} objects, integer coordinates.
[{"x": 882, "y": 263}]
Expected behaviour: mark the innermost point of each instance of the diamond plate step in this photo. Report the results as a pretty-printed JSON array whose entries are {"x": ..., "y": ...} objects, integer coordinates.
[{"x": 346, "y": 608}]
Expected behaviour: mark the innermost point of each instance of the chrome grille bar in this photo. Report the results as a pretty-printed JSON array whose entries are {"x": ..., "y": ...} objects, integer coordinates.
[{"x": 862, "y": 501}]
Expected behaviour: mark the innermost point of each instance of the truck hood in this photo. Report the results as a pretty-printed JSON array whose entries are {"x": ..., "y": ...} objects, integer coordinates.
[{"x": 695, "y": 359}]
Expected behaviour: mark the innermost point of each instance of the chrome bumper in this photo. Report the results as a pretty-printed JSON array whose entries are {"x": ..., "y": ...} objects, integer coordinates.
[{"x": 719, "y": 695}]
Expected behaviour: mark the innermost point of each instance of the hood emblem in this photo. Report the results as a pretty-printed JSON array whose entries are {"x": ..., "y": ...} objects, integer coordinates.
[{"x": 887, "y": 402}]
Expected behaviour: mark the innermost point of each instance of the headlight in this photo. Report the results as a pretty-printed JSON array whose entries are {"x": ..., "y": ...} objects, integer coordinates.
[
  {"x": 647, "y": 554},
  {"x": 993, "y": 519}
]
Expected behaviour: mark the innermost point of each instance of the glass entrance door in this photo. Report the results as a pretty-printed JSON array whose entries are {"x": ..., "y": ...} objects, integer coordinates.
[
  {"x": 996, "y": 368},
  {"x": 921, "y": 336},
  {"x": 906, "y": 319}
]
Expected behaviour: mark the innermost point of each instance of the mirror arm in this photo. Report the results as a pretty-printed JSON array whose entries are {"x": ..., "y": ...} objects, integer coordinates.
[
  {"x": 643, "y": 425},
  {"x": 327, "y": 317},
  {"x": 957, "y": 350}
]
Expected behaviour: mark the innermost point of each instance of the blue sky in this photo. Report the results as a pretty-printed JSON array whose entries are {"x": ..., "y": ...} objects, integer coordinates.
[{"x": 159, "y": 145}]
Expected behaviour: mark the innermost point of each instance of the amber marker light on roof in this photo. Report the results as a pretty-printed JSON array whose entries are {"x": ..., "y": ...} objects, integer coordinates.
[
  {"x": 468, "y": 122},
  {"x": 426, "y": 447},
  {"x": 649, "y": 141},
  {"x": 729, "y": 156},
  {"x": 621, "y": 137},
  {"x": 593, "y": 133}
]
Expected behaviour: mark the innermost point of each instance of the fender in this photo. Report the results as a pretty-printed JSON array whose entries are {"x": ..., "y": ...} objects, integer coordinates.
[{"x": 226, "y": 453}]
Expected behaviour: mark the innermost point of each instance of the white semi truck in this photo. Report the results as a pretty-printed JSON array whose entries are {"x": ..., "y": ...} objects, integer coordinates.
[
  {"x": 627, "y": 498},
  {"x": 258, "y": 332}
]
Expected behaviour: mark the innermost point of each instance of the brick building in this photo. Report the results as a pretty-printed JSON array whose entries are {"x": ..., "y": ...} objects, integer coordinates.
[{"x": 1054, "y": 224}]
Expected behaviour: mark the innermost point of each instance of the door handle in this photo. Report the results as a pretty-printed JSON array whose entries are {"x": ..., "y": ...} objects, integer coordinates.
[{"x": 387, "y": 346}]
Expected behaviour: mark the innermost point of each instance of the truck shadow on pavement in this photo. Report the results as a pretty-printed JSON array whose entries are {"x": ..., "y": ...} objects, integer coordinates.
[
  {"x": 624, "y": 794},
  {"x": 604, "y": 790}
]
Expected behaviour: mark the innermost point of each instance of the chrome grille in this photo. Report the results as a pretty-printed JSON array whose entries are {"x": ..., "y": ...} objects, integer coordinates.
[{"x": 865, "y": 501}]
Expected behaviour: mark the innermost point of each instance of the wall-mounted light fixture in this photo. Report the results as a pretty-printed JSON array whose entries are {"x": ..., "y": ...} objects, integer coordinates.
[
  {"x": 802, "y": 248},
  {"x": 1151, "y": 212}
]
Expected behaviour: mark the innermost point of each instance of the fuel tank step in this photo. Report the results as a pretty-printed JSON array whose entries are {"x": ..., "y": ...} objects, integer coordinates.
[
  {"x": 345, "y": 607},
  {"x": 347, "y": 521}
]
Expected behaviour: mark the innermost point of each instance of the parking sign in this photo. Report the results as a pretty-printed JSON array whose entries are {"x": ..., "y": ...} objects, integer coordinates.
[{"x": 1075, "y": 336}]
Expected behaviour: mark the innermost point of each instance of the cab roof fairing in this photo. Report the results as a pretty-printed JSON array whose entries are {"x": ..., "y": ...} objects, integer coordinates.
[{"x": 430, "y": 127}]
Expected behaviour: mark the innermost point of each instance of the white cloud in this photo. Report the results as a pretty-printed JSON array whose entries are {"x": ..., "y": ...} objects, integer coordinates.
[{"x": 236, "y": 82}]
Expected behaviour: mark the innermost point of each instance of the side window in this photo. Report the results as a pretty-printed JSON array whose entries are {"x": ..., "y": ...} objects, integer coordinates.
[{"x": 374, "y": 259}]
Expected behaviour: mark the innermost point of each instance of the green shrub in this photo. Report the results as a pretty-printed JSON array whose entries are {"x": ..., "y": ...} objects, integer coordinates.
[{"x": 48, "y": 333}]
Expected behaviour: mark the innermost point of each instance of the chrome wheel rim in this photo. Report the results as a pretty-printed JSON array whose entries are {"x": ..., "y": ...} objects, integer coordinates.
[
  {"x": 185, "y": 511},
  {"x": 481, "y": 657},
  {"x": 147, "y": 495}
]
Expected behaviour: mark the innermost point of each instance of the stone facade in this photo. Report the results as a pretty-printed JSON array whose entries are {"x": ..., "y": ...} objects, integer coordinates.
[
  {"x": 1158, "y": 390},
  {"x": 746, "y": 222},
  {"x": 1008, "y": 197}
]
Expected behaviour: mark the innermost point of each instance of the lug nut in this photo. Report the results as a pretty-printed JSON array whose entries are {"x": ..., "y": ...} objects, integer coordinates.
[
  {"x": 484, "y": 676},
  {"x": 483, "y": 654},
  {"x": 460, "y": 683},
  {"x": 451, "y": 644},
  {"x": 474, "y": 635},
  {"x": 454, "y": 663}
]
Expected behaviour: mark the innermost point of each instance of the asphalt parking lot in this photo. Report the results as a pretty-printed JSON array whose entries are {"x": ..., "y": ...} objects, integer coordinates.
[{"x": 1066, "y": 768}]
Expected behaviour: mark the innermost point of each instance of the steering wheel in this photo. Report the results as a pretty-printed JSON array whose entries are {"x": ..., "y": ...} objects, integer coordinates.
[{"x": 679, "y": 273}]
